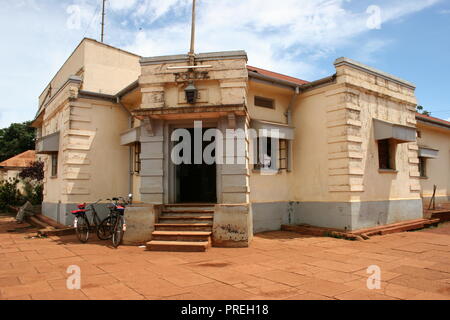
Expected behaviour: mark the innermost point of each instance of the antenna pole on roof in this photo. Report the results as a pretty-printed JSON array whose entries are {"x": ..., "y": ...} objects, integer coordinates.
[
  {"x": 192, "y": 50},
  {"x": 103, "y": 21}
]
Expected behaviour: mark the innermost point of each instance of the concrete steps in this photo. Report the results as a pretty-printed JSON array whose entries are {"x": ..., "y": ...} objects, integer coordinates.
[
  {"x": 184, "y": 228},
  {"x": 179, "y": 246},
  {"x": 192, "y": 236},
  {"x": 186, "y": 219}
]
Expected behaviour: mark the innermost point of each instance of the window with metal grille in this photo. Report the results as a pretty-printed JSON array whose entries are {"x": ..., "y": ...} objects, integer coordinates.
[
  {"x": 423, "y": 167},
  {"x": 264, "y": 102},
  {"x": 283, "y": 157},
  {"x": 386, "y": 154},
  {"x": 137, "y": 157},
  {"x": 54, "y": 164},
  {"x": 263, "y": 153}
]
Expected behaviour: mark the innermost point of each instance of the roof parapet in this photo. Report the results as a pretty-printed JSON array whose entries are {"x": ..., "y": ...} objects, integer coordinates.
[
  {"x": 222, "y": 55},
  {"x": 357, "y": 65}
]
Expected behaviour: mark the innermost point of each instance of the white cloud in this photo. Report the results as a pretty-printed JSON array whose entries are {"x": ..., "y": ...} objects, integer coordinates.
[
  {"x": 118, "y": 5},
  {"x": 288, "y": 36}
]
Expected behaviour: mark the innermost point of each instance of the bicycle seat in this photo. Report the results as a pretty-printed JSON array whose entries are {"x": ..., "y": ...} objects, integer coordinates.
[
  {"x": 120, "y": 209},
  {"x": 78, "y": 211}
]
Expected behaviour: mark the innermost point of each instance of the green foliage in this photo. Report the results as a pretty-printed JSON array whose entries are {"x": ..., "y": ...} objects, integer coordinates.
[
  {"x": 34, "y": 172},
  {"x": 10, "y": 194},
  {"x": 17, "y": 138},
  {"x": 33, "y": 191},
  {"x": 421, "y": 110}
]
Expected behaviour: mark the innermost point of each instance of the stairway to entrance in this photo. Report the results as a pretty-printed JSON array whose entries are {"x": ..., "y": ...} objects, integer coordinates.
[{"x": 183, "y": 227}]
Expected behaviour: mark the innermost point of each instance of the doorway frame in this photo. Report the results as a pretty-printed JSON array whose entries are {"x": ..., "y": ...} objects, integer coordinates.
[{"x": 170, "y": 179}]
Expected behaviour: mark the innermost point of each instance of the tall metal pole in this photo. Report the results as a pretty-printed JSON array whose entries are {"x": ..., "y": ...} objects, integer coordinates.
[
  {"x": 192, "y": 50},
  {"x": 103, "y": 21}
]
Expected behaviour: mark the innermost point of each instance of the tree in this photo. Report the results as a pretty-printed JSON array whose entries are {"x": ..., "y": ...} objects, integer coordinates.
[
  {"x": 32, "y": 178},
  {"x": 17, "y": 138},
  {"x": 421, "y": 110},
  {"x": 34, "y": 172}
]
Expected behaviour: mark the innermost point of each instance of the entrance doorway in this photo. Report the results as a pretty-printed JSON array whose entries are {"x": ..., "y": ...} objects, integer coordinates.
[{"x": 196, "y": 183}]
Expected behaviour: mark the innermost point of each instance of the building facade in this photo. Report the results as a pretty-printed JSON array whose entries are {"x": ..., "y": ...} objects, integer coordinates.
[{"x": 340, "y": 152}]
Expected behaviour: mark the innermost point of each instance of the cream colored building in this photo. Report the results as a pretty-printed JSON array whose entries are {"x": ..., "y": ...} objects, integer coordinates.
[
  {"x": 434, "y": 158},
  {"x": 346, "y": 155}
]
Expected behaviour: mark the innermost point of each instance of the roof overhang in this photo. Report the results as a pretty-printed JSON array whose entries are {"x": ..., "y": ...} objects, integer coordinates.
[
  {"x": 48, "y": 144},
  {"x": 386, "y": 130},
  {"x": 273, "y": 129},
  {"x": 191, "y": 112},
  {"x": 433, "y": 122},
  {"x": 425, "y": 152}
]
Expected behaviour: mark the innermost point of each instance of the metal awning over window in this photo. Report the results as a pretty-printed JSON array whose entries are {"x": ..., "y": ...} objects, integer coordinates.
[
  {"x": 399, "y": 133},
  {"x": 48, "y": 144},
  {"x": 130, "y": 136},
  {"x": 273, "y": 130},
  {"x": 428, "y": 153}
]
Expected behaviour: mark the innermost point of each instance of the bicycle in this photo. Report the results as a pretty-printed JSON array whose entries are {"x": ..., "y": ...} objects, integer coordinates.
[
  {"x": 83, "y": 225},
  {"x": 115, "y": 222}
]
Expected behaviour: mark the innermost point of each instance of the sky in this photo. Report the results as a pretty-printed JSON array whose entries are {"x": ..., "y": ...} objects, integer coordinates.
[{"x": 302, "y": 38}]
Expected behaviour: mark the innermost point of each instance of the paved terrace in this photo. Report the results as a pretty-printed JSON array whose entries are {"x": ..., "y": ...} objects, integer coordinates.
[{"x": 279, "y": 265}]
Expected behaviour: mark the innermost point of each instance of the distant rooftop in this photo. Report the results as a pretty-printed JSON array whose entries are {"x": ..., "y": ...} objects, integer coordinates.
[
  {"x": 277, "y": 75},
  {"x": 433, "y": 119},
  {"x": 22, "y": 160}
]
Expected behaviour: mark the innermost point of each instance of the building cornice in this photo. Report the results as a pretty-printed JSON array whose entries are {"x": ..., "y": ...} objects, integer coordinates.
[
  {"x": 357, "y": 65},
  {"x": 210, "y": 56}
]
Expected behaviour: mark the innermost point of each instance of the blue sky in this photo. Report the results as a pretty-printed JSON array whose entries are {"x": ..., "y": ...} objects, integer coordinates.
[{"x": 302, "y": 38}]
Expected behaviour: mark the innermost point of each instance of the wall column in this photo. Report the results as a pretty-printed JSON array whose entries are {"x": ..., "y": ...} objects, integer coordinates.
[{"x": 152, "y": 162}]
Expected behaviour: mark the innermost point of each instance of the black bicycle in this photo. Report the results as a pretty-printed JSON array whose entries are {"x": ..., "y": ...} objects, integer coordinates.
[
  {"x": 115, "y": 222},
  {"x": 83, "y": 226}
]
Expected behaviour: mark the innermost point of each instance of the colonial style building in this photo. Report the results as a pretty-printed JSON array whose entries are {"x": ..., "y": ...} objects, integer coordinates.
[{"x": 345, "y": 155}]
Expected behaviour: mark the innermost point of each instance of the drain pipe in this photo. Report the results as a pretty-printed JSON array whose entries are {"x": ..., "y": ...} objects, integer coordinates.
[
  {"x": 289, "y": 122},
  {"x": 130, "y": 149}
]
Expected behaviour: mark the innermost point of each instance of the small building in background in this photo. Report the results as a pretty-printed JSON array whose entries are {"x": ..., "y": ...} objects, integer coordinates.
[{"x": 10, "y": 169}]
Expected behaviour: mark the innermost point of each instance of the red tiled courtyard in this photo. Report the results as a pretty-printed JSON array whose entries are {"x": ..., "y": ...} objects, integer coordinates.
[{"x": 278, "y": 265}]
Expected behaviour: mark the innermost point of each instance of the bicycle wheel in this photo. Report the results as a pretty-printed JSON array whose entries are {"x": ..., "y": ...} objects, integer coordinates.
[
  {"x": 82, "y": 228},
  {"x": 104, "y": 230},
  {"x": 118, "y": 232}
]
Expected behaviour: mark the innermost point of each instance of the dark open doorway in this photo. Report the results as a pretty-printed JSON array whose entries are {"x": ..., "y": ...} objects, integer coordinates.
[{"x": 196, "y": 183}]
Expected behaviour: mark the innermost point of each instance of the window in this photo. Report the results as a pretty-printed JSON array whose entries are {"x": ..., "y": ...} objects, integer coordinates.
[
  {"x": 423, "y": 167},
  {"x": 419, "y": 134},
  {"x": 386, "y": 154},
  {"x": 271, "y": 153},
  {"x": 54, "y": 164},
  {"x": 263, "y": 153},
  {"x": 283, "y": 157},
  {"x": 137, "y": 157},
  {"x": 264, "y": 102}
]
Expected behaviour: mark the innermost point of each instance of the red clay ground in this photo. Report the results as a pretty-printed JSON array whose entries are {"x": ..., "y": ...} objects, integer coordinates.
[{"x": 278, "y": 265}]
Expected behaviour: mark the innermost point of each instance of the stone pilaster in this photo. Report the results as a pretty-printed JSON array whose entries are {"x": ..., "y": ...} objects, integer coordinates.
[
  {"x": 152, "y": 162},
  {"x": 235, "y": 169},
  {"x": 344, "y": 141}
]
